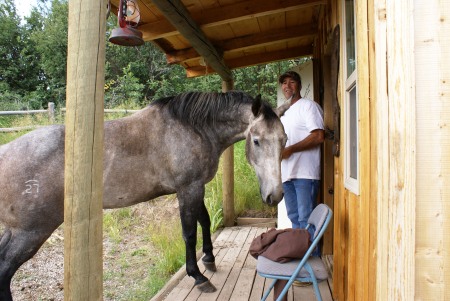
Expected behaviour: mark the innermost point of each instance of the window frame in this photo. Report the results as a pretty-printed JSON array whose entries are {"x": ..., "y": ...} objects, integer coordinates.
[{"x": 351, "y": 82}]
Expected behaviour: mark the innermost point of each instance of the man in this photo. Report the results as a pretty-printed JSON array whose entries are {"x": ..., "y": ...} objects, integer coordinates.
[{"x": 300, "y": 166}]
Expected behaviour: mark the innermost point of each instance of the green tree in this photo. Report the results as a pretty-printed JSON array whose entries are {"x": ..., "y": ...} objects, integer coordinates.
[
  {"x": 51, "y": 45},
  {"x": 124, "y": 90},
  {"x": 10, "y": 49}
]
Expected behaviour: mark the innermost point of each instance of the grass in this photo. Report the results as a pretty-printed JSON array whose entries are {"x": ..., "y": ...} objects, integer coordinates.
[
  {"x": 246, "y": 188},
  {"x": 10, "y": 121}
]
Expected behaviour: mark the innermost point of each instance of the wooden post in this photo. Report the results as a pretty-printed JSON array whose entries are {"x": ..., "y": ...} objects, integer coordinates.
[
  {"x": 228, "y": 175},
  {"x": 51, "y": 112},
  {"x": 83, "y": 179}
]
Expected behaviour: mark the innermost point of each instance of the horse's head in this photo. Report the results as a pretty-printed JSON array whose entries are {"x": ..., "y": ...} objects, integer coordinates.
[{"x": 265, "y": 141}]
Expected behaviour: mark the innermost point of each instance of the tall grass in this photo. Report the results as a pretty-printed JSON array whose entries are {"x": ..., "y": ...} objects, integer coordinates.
[{"x": 246, "y": 188}]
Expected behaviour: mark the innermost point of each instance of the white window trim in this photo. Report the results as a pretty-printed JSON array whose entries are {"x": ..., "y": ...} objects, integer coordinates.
[{"x": 351, "y": 82}]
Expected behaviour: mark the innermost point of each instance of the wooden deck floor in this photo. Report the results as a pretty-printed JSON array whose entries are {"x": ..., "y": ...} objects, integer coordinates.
[{"x": 236, "y": 277}]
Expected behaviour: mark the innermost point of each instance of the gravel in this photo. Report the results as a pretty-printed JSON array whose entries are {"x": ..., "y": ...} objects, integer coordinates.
[{"x": 125, "y": 262}]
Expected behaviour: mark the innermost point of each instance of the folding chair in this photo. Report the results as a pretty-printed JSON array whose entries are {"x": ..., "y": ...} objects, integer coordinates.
[{"x": 309, "y": 268}]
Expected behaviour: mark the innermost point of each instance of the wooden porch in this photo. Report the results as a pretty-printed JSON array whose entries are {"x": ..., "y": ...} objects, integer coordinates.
[{"x": 236, "y": 277}]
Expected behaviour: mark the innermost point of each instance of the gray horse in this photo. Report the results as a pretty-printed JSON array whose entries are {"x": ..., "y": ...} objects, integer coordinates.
[{"x": 171, "y": 146}]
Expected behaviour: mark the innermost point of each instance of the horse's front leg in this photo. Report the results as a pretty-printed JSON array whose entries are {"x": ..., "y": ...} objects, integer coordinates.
[
  {"x": 205, "y": 222},
  {"x": 191, "y": 203}
]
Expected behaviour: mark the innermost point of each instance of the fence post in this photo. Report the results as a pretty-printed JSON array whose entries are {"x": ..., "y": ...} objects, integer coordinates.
[{"x": 51, "y": 112}]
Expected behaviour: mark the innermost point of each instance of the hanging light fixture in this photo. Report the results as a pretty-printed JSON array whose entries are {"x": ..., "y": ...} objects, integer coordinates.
[{"x": 126, "y": 34}]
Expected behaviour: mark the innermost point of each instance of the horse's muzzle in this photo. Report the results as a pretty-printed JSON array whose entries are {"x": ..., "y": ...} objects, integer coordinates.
[{"x": 272, "y": 201}]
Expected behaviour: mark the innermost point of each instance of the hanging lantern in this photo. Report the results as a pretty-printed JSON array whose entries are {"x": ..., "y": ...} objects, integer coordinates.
[{"x": 126, "y": 34}]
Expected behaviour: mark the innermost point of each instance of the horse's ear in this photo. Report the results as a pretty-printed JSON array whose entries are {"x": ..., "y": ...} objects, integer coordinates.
[
  {"x": 283, "y": 108},
  {"x": 257, "y": 105}
]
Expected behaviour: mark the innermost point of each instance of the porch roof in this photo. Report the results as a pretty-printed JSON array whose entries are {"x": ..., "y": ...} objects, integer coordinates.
[{"x": 216, "y": 36}]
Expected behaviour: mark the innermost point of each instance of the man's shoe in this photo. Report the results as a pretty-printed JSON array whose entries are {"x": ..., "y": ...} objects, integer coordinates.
[{"x": 301, "y": 284}]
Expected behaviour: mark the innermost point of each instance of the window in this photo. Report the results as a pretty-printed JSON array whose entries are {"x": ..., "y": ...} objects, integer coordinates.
[{"x": 351, "y": 130}]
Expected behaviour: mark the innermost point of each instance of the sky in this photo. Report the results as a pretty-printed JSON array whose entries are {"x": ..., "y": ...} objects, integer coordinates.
[{"x": 24, "y": 6}]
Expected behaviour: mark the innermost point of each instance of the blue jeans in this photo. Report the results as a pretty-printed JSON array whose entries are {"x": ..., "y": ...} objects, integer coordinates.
[{"x": 300, "y": 196}]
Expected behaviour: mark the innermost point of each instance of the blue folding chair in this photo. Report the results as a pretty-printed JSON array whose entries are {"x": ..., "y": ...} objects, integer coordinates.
[{"x": 309, "y": 268}]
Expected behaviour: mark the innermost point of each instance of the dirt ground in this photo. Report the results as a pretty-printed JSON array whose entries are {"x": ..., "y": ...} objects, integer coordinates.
[{"x": 124, "y": 263}]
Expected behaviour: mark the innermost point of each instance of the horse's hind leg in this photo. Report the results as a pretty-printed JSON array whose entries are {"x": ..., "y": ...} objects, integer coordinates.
[
  {"x": 204, "y": 220},
  {"x": 16, "y": 247}
]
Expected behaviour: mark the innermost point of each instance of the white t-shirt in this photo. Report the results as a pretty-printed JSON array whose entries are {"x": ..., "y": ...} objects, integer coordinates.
[{"x": 299, "y": 121}]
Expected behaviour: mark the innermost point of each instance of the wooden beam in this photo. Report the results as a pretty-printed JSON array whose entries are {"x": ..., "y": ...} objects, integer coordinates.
[
  {"x": 183, "y": 55},
  {"x": 83, "y": 179},
  {"x": 179, "y": 16},
  {"x": 228, "y": 175},
  {"x": 226, "y": 14},
  {"x": 255, "y": 60},
  {"x": 248, "y": 42}
]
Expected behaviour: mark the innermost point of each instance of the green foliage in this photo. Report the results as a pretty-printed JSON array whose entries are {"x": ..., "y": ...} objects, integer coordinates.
[
  {"x": 50, "y": 38},
  {"x": 33, "y": 65},
  {"x": 125, "y": 89},
  {"x": 213, "y": 197}
]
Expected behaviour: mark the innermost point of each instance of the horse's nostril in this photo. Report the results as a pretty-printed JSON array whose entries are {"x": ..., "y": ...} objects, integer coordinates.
[{"x": 269, "y": 200}]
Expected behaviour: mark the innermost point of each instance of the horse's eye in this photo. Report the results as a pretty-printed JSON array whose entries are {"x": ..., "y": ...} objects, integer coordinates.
[{"x": 256, "y": 142}]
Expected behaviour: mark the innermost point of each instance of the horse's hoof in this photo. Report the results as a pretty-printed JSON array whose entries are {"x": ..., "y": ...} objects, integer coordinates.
[
  {"x": 206, "y": 287},
  {"x": 210, "y": 266}
]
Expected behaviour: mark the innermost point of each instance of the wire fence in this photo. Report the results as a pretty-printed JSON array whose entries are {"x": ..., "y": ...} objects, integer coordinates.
[{"x": 51, "y": 112}]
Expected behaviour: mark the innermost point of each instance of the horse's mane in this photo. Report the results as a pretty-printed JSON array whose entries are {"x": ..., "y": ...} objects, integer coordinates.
[{"x": 203, "y": 108}]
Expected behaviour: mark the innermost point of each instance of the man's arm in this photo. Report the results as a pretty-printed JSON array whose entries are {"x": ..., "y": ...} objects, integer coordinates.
[{"x": 315, "y": 138}]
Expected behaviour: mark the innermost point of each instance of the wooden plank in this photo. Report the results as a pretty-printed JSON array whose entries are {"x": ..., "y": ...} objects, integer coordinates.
[
  {"x": 227, "y": 263},
  {"x": 396, "y": 197},
  {"x": 258, "y": 288},
  {"x": 402, "y": 161},
  {"x": 244, "y": 285},
  {"x": 351, "y": 201},
  {"x": 194, "y": 294},
  {"x": 372, "y": 218},
  {"x": 380, "y": 142},
  {"x": 186, "y": 284},
  {"x": 83, "y": 180},
  {"x": 245, "y": 282},
  {"x": 432, "y": 63},
  {"x": 226, "y": 14},
  {"x": 362, "y": 261},
  {"x": 325, "y": 291},
  {"x": 252, "y": 221}
]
